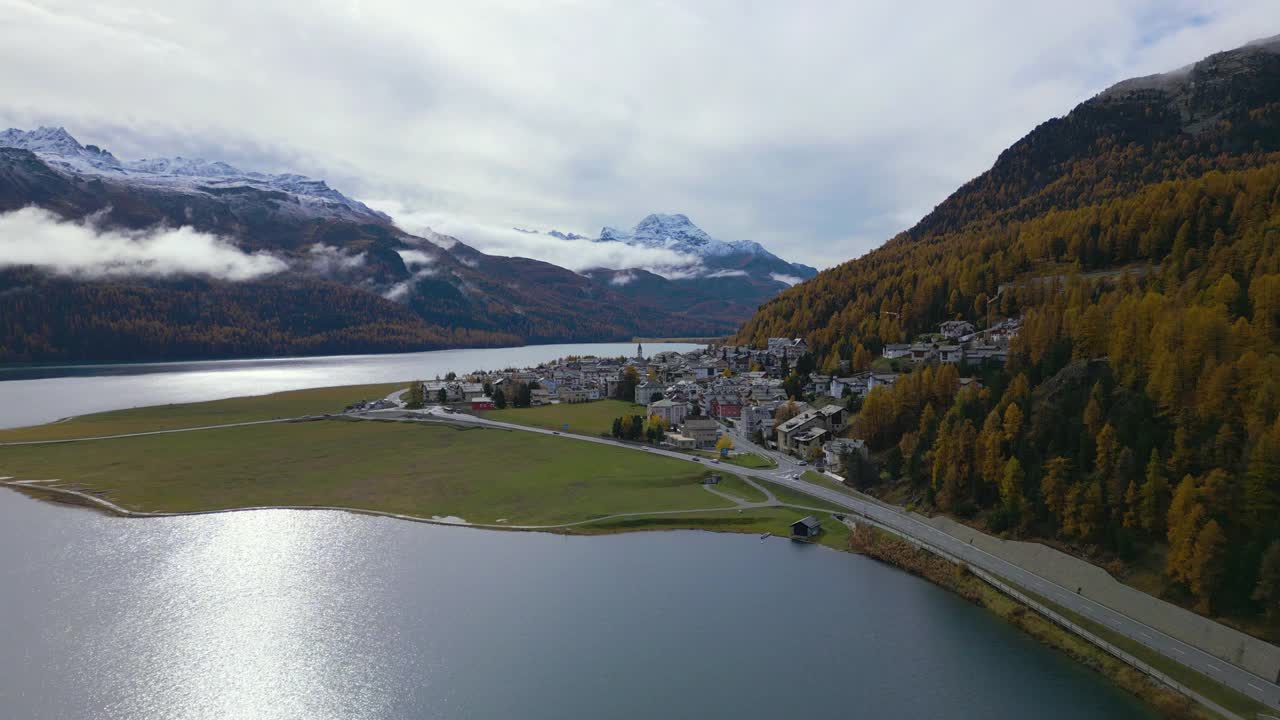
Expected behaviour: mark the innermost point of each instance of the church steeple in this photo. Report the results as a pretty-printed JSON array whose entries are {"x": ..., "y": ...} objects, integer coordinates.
[{"x": 639, "y": 351}]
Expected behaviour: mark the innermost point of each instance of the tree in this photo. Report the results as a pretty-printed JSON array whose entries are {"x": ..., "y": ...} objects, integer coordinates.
[
  {"x": 1154, "y": 511},
  {"x": 862, "y": 358},
  {"x": 442, "y": 396},
  {"x": 1132, "y": 507},
  {"x": 1208, "y": 564},
  {"x": 499, "y": 399},
  {"x": 1267, "y": 592},
  {"x": 785, "y": 412},
  {"x": 1011, "y": 480},
  {"x": 1186, "y": 517},
  {"x": 724, "y": 443},
  {"x": 415, "y": 398},
  {"x": 626, "y": 388},
  {"x": 1012, "y": 423},
  {"x": 1053, "y": 488}
]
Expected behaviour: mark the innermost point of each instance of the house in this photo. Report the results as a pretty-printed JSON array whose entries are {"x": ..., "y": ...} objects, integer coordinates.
[
  {"x": 758, "y": 418},
  {"x": 680, "y": 442},
  {"x": 949, "y": 353},
  {"x": 471, "y": 391},
  {"x": 896, "y": 350},
  {"x": 833, "y": 451},
  {"x": 669, "y": 410},
  {"x": 539, "y": 396},
  {"x": 703, "y": 430},
  {"x": 806, "y": 441},
  {"x": 954, "y": 329},
  {"x": 725, "y": 407},
  {"x": 570, "y": 394},
  {"x": 880, "y": 379},
  {"x": 646, "y": 390},
  {"x": 806, "y": 527},
  {"x": 793, "y": 435},
  {"x": 482, "y": 403}
]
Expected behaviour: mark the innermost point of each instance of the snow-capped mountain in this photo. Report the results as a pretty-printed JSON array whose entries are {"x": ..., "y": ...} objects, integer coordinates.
[
  {"x": 678, "y": 233},
  {"x": 64, "y": 153}
]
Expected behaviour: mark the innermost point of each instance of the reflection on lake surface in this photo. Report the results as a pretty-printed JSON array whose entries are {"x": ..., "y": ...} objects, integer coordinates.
[
  {"x": 317, "y": 614},
  {"x": 35, "y": 394}
]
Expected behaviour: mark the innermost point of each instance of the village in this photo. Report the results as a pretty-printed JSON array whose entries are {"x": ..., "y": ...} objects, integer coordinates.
[{"x": 771, "y": 398}]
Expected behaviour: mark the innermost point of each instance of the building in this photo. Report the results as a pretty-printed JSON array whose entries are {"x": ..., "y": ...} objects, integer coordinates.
[
  {"x": 539, "y": 396},
  {"x": 671, "y": 411},
  {"x": 646, "y": 390},
  {"x": 725, "y": 406},
  {"x": 794, "y": 435},
  {"x": 703, "y": 430},
  {"x": 833, "y": 451},
  {"x": 806, "y": 527},
  {"x": 482, "y": 403},
  {"x": 573, "y": 394},
  {"x": 880, "y": 379},
  {"x": 954, "y": 329},
  {"x": 757, "y": 418},
  {"x": 896, "y": 350}
]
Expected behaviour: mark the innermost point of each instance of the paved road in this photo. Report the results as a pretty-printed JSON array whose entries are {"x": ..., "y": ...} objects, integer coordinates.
[{"x": 1242, "y": 680}]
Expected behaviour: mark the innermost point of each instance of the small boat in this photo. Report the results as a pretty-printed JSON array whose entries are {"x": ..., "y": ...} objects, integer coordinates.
[{"x": 766, "y": 536}]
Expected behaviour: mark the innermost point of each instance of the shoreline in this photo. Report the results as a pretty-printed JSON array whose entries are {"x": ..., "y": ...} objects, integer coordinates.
[{"x": 890, "y": 549}]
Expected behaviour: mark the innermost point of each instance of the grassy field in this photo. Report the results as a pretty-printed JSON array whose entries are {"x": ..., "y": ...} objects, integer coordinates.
[
  {"x": 589, "y": 418},
  {"x": 756, "y": 520},
  {"x": 167, "y": 417},
  {"x": 746, "y": 460},
  {"x": 481, "y": 475},
  {"x": 735, "y": 486}
]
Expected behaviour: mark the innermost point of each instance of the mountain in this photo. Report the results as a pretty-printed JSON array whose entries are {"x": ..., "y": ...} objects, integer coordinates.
[
  {"x": 354, "y": 281},
  {"x": 1137, "y": 420},
  {"x": 714, "y": 279}
]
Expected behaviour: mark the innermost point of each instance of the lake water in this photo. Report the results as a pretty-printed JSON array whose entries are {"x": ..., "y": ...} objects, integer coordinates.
[
  {"x": 314, "y": 614},
  {"x": 317, "y": 614},
  {"x": 35, "y": 394}
]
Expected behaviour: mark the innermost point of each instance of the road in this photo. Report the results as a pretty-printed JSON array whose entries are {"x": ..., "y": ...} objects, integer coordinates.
[{"x": 1224, "y": 672}]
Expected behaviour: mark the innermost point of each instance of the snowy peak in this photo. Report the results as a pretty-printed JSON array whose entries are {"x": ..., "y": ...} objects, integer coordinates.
[
  {"x": 678, "y": 233},
  {"x": 64, "y": 153}
]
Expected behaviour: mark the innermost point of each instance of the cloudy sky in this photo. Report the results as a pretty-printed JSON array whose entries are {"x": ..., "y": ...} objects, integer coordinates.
[{"x": 816, "y": 128}]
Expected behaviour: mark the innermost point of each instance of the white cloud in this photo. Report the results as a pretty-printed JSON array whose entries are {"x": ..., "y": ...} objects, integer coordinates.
[
  {"x": 414, "y": 258},
  {"x": 325, "y": 259},
  {"x": 818, "y": 131},
  {"x": 494, "y": 239},
  {"x": 788, "y": 279},
  {"x": 31, "y": 236},
  {"x": 727, "y": 273},
  {"x": 621, "y": 279}
]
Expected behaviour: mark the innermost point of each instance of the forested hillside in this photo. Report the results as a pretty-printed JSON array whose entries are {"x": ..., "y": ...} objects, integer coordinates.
[{"x": 1137, "y": 417}]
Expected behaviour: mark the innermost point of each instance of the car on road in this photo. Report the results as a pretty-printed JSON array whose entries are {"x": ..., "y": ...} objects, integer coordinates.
[
  {"x": 795, "y": 476},
  {"x": 715, "y": 461},
  {"x": 555, "y": 432},
  {"x": 696, "y": 459},
  {"x": 803, "y": 463}
]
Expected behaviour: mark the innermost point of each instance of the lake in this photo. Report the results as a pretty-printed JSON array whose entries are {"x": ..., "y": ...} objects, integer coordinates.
[
  {"x": 36, "y": 394},
  {"x": 319, "y": 614}
]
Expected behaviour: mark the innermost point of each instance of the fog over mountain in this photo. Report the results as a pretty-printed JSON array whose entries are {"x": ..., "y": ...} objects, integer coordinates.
[{"x": 817, "y": 134}]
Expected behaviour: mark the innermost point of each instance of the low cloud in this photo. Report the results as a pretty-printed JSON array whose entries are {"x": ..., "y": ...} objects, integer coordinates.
[
  {"x": 621, "y": 279},
  {"x": 38, "y": 238},
  {"x": 328, "y": 260},
  {"x": 415, "y": 258},
  {"x": 788, "y": 279},
  {"x": 728, "y": 273},
  {"x": 572, "y": 252}
]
